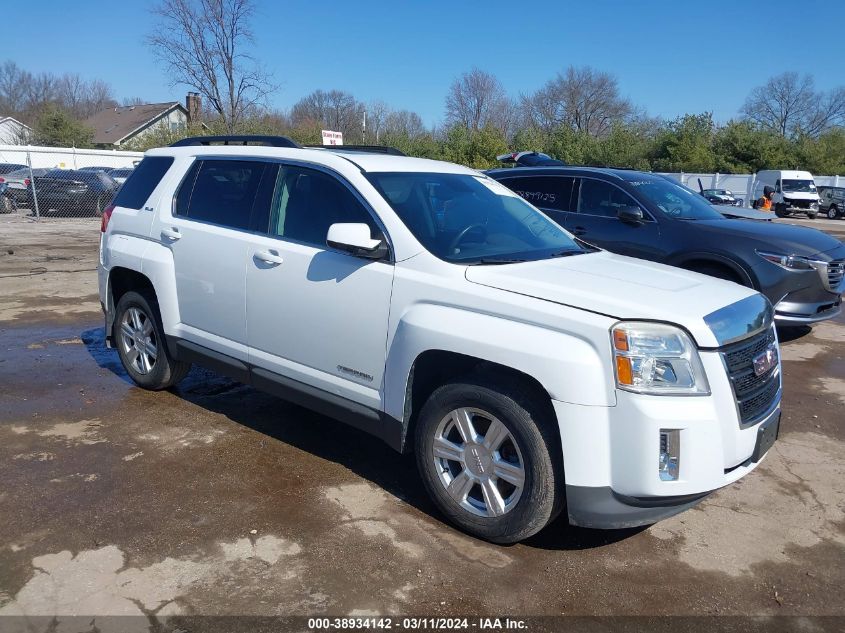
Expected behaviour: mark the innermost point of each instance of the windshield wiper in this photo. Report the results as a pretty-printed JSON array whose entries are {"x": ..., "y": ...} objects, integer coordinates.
[
  {"x": 497, "y": 260},
  {"x": 567, "y": 253}
]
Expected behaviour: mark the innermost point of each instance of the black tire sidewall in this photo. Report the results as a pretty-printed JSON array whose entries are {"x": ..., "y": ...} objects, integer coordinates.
[
  {"x": 540, "y": 499},
  {"x": 160, "y": 376}
]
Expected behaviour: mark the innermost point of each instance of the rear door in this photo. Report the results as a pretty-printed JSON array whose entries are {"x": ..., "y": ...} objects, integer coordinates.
[
  {"x": 596, "y": 221},
  {"x": 206, "y": 231}
]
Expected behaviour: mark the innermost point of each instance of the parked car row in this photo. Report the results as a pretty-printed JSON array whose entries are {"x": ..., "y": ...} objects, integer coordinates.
[
  {"x": 651, "y": 217},
  {"x": 85, "y": 191},
  {"x": 532, "y": 370}
]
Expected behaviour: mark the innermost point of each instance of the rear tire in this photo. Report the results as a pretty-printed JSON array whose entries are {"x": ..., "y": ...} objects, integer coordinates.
[
  {"x": 141, "y": 344},
  {"x": 487, "y": 452},
  {"x": 6, "y": 205}
]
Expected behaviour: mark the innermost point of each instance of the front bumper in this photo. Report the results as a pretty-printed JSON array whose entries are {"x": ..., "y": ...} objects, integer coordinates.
[
  {"x": 790, "y": 312},
  {"x": 610, "y": 454},
  {"x": 799, "y": 297}
]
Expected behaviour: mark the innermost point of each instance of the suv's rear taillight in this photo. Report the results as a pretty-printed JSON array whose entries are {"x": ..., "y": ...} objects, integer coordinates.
[
  {"x": 104, "y": 224},
  {"x": 26, "y": 182}
]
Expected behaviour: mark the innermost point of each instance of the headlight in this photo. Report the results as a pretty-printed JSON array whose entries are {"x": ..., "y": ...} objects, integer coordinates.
[
  {"x": 657, "y": 359},
  {"x": 790, "y": 262}
]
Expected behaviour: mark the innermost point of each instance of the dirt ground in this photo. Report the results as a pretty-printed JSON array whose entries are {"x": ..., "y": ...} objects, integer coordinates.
[{"x": 217, "y": 499}]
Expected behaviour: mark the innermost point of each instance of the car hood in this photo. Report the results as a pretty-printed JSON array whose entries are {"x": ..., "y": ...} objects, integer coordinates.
[
  {"x": 741, "y": 212},
  {"x": 621, "y": 287},
  {"x": 786, "y": 239}
]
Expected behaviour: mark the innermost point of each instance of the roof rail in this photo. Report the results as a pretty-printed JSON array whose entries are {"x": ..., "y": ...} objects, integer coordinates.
[
  {"x": 368, "y": 149},
  {"x": 237, "y": 139}
]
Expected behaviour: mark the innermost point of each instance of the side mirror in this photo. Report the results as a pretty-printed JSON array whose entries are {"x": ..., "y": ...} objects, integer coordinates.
[
  {"x": 355, "y": 239},
  {"x": 630, "y": 215}
]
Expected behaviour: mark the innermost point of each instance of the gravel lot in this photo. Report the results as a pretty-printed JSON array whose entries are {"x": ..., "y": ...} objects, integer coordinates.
[{"x": 218, "y": 499}]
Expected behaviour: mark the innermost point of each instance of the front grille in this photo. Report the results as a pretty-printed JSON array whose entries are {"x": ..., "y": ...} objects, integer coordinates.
[
  {"x": 754, "y": 394},
  {"x": 835, "y": 274},
  {"x": 798, "y": 204}
]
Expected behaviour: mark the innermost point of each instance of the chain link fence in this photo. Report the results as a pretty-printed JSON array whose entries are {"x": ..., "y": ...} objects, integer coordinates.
[{"x": 51, "y": 182}]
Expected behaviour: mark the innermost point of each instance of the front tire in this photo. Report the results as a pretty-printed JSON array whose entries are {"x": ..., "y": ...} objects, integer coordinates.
[
  {"x": 488, "y": 455},
  {"x": 781, "y": 211},
  {"x": 141, "y": 345},
  {"x": 832, "y": 212}
]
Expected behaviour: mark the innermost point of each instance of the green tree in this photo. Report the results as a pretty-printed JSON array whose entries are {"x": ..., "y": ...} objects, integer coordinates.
[
  {"x": 686, "y": 145},
  {"x": 54, "y": 127},
  {"x": 742, "y": 148},
  {"x": 825, "y": 155},
  {"x": 476, "y": 149},
  {"x": 624, "y": 146}
]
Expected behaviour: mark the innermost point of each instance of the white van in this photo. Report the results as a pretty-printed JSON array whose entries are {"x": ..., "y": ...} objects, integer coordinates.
[{"x": 795, "y": 191}]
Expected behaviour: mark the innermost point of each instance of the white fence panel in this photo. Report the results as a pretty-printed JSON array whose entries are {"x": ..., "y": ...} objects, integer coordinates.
[{"x": 67, "y": 157}]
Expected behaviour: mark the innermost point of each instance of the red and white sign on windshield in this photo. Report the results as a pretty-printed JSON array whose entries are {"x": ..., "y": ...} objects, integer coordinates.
[{"x": 332, "y": 138}]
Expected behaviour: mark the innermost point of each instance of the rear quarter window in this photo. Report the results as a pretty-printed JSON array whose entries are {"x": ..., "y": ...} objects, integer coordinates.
[
  {"x": 545, "y": 192},
  {"x": 142, "y": 181}
]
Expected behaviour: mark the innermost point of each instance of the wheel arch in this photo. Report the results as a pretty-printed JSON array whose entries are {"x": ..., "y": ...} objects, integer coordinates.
[
  {"x": 436, "y": 367},
  {"x": 120, "y": 281},
  {"x": 689, "y": 261}
]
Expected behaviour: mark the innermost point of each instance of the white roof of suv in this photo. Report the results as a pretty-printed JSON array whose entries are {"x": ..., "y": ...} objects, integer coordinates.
[{"x": 336, "y": 158}]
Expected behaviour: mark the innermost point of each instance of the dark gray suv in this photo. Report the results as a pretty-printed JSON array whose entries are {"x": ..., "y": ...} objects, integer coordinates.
[{"x": 645, "y": 215}]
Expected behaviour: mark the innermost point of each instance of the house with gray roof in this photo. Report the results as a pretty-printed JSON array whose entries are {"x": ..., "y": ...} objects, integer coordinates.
[{"x": 117, "y": 126}]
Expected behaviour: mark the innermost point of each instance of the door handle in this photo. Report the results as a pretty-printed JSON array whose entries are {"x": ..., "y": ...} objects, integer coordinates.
[
  {"x": 579, "y": 230},
  {"x": 171, "y": 234},
  {"x": 269, "y": 257}
]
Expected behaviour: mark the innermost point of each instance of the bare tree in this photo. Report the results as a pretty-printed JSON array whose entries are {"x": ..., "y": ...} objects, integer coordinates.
[
  {"x": 377, "y": 113},
  {"x": 783, "y": 103},
  {"x": 13, "y": 80},
  {"x": 404, "y": 123},
  {"x": 81, "y": 97},
  {"x": 476, "y": 99},
  {"x": 829, "y": 111},
  {"x": 584, "y": 99},
  {"x": 204, "y": 43},
  {"x": 334, "y": 110}
]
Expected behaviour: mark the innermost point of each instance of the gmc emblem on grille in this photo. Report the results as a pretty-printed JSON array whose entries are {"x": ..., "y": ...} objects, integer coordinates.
[{"x": 764, "y": 361}]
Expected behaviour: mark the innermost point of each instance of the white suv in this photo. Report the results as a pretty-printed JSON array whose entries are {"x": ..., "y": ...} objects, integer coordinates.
[{"x": 427, "y": 304}]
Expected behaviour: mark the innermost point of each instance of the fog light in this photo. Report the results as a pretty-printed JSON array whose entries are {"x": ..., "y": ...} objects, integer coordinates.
[{"x": 669, "y": 458}]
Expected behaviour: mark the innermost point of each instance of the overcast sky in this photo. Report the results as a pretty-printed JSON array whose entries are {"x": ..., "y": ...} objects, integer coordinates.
[{"x": 670, "y": 57}]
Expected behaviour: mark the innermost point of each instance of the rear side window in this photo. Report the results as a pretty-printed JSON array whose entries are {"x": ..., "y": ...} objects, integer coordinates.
[
  {"x": 221, "y": 192},
  {"x": 142, "y": 181},
  {"x": 544, "y": 192}
]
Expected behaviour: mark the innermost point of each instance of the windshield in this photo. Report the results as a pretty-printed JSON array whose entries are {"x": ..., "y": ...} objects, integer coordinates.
[
  {"x": 799, "y": 186},
  {"x": 469, "y": 219},
  {"x": 672, "y": 198}
]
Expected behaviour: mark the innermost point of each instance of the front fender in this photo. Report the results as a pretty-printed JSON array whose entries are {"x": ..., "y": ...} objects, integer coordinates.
[
  {"x": 571, "y": 367},
  {"x": 682, "y": 259}
]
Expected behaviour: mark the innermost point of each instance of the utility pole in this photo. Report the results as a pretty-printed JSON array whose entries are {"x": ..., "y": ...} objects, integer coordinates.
[{"x": 364, "y": 128}]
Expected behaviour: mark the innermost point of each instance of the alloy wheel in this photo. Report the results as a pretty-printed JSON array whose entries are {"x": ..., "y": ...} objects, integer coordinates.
[
  {"x": 138, "y": 340},
  {"x": 478, "y": 461}
]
